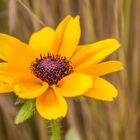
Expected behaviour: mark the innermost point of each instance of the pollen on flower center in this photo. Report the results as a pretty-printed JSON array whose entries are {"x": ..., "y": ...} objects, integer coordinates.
[{"x": 51, "y": 68}]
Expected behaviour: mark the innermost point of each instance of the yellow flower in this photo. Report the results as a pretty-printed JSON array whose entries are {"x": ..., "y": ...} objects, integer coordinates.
[{"x": 53, "y": 66}]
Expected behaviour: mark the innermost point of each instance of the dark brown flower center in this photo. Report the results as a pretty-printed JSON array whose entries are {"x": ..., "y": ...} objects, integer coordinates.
[{"x": 51, "y": 68}]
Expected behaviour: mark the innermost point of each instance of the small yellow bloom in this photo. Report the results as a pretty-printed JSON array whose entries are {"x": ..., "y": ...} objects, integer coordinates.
[{"x": 53, "y": 66}]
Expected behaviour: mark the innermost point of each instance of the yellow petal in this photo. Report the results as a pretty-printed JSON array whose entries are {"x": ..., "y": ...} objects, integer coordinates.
[
  {"x": 5, "y": 78},
  {"x": 28, "y": 86},
  {"x": 71, "y": 38},
  {"x": 102, "y": 90},
  {"x": 9, "y": 69},
  {"x": 73, "y": 85},
  {"x": 42, "y": 40},
  {"x": 5, "y": 84},
  {"x": 7, "y": 72},
  {"x": 93, "y": 53},
  {"x": 60, "y": 33},
  {"x": 14, "y": 51},
  {"x": 102, "y": 68},
  {"x": 4, "y": 87},
  {"x": 51, "y": 106}
]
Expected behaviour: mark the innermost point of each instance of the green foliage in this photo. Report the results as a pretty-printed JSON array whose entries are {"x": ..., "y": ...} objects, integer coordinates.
[
  {"x": 19, "y": 101},
  {"x": 26, "y": 111},
  {"x": 55, "y": 128}
]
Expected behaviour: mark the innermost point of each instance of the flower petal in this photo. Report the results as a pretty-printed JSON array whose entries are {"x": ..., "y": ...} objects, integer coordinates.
[
  {"x": 28, "y": 86},
  {"x": 102, "y": 68},
  {"x": 5, "y": 84},
  {"x": 101, "y": 90},
  {"x": 73, "y": 85},
  {"x": 11, "y": 70},
  {"x": 51, "y": 106},
  {"x": 14, "y": 51},
  {"x": 4, "y": 87},
  {"x": 7, "y": 72},
  {"x": 70, "y": 38},
  {"x": 42, "y": 40},
  {"x": 93, "y": 53},
  {"x": 60, "y": 33}
]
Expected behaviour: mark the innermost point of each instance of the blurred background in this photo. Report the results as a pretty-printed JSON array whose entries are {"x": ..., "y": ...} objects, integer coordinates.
[{"x": 87, "y": 119}]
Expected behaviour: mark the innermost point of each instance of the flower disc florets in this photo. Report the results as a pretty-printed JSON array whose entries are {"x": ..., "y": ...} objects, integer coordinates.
[{"x": 51, "y": 68}]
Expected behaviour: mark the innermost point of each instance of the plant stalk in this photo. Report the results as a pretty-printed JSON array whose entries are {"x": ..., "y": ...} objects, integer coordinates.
[{"x": 55, "y": 128}]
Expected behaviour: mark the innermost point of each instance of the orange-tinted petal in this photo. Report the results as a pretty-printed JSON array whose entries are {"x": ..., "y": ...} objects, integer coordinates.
[
  {"x": 93, "y": 53},
  {"x": 7, "y": 72},
  {"x": 9, "y": 69},
  {"x": 14, "y": 51},
  {"x": 59, "y": 33},
  {"x": 70, "y": 38},
  {"x": 42, "y": 41},
  {"x": 73, "y": 85},
  {"x": 102, "y": 68},
  {"x": 28, "y": 86},
  {"x": 51, "y": 106},
  {"x": 102, "y": 90},
  {"x": 4, "y": 87},
  {"x": 5, "y": 84}
]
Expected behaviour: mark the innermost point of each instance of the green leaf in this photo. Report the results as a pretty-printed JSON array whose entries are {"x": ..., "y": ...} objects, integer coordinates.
[
  {"x": 19, "y": 101},
  {"x": 26, "y": 111}
]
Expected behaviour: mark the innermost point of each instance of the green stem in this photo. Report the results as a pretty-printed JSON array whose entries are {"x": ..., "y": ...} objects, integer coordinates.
[{"x": 55, "y": 130}]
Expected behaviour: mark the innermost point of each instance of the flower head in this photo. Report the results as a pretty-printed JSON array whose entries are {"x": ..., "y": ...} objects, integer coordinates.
[{"x": 53, "y": 66}]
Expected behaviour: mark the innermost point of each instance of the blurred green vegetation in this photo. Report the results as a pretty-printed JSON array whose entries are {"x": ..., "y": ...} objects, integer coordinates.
[{"x": 87, "y": 119}]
